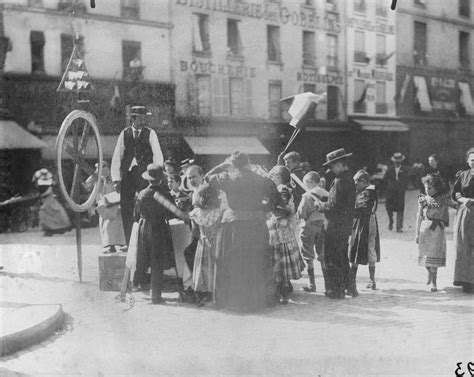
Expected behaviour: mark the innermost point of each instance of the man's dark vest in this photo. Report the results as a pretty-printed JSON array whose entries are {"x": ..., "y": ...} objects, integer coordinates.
[{"x": 139, "y": 148}]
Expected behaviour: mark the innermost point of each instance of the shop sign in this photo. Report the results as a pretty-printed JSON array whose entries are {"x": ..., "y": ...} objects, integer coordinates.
[
  {"x": 320, "y": 79},
  {"x": 375, "y": 74},
  {"x": 206, "y": 67},
  {"x": 368, "y": 25},
  {"x": 271, "y": 12}
]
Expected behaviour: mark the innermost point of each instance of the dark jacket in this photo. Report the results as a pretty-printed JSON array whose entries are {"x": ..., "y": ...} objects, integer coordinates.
[
  {"x": 395, "y": 189},
  {"x": 139, "y": 148}
]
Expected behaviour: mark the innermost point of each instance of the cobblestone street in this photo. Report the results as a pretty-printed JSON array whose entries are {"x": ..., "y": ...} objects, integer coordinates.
[{"x": 400, "y": 329}]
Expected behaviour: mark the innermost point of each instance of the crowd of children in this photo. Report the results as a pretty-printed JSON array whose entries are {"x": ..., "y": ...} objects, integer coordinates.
[{"x": 297, "y": 226}]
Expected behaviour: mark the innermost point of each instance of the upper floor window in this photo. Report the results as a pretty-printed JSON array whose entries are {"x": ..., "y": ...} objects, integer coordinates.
[
  {"x": 360, "y": 6},
  {"x": 309, "y": 54},
  {"x": 131, "y": 60},
  {"x": 234, "y": 42},
  {"x": 37, "y": 51},
  {"x": 380, "y": 47},
  {"x": 130, "y": 9},
  {"x": 331, "y": 5},
  {"x": 381, "y": 8},
  {"x": 464, "y": 50},
  {"x": 274, "y": 95},
  {"x": 420, "y": 45},
  {"x": 201, "y": 41},
  {"x": 359, "y": 47},
  {"x": 273, "y": 43},
  {"x": 67, "y": 46},
  {"x": 332, "y": 51},
  {"x": 465, "y": 8}
]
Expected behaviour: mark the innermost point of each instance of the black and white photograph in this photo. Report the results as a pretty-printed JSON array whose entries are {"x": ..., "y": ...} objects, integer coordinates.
[{"x": 236, "y": 188}]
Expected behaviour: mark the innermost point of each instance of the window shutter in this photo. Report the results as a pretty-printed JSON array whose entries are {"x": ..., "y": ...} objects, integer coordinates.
[{"x": 249, "y": 97}]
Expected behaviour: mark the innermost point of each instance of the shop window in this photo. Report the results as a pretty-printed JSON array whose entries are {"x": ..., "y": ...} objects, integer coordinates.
[
  {"x": 204, "y": 95},
  {"x": 359, "y": 47},
  {"x": 360, "y": 91},
  {"x": 234, "y": 42},
  {"x": 274, "y": 95},
  {"x": 380, "y": 98},
  {"x": 130, "y": 9},
  {"x": 37, "y": 51},
  {"x": 220, "y": 96},
  {"x": 35, "y": 3},
  {"x": 464, "y": 50},
  {"x": 201, "y": 38},
  {"x": 381, "y": 53},
  {"x": 332, "y": 51},
  {"x": 312, "y": 107},
  {"x": 309, "y": 48},
  {"x": 420, "y": 47},
  {"x": 249, "y": 97},
  {"x": 465, "y": 8},
  {"x": 273, "y": 43},
  {"x": 332, "y": 102},
  {"x": 236, "y": 97},
  {"x": 381, "y": 8},
  {"x": 131, "y": 60},
  {"x": 420, "y": 3},
  {"x": 67, "y": 45},
  {"x": 360, "y": 6}
]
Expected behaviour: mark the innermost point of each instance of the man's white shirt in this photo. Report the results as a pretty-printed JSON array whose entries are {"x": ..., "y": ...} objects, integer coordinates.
[{"x": 120, "y": 148}]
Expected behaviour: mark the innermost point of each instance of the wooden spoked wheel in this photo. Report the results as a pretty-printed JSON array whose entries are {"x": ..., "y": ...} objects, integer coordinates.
[{"x": 76, "y": 155}]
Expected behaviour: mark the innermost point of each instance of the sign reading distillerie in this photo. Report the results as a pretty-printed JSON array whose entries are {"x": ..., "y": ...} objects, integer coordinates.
[{"x": 305, "y": 17}]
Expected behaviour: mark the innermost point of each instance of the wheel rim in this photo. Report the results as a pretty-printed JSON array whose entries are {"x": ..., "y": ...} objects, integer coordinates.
[{"x": 83, "y": 126}]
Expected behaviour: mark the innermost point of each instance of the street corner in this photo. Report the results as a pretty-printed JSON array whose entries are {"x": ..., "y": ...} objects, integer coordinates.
[{"x": 25, "y": 325}]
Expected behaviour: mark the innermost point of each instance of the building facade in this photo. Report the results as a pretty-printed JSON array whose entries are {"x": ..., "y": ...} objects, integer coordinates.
[
  {"x": 126, "y": 49},
  {"x": 234, "y": 60},
  {"x": 435, "y": 78}
]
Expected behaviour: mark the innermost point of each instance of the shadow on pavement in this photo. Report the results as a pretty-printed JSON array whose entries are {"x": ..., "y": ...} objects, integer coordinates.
[
  {"x": 4, "y": 372},
  {"x": 29, "y": 275}
]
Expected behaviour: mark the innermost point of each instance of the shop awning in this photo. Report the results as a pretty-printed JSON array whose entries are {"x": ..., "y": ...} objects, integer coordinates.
[
  {"x": 225, "y": 145},
  {"x": 466, "y": 98},
  {"x": 422, "y": 93},
  {"x": 382, "y": 125},
  {"x": 13, "y": 136}
]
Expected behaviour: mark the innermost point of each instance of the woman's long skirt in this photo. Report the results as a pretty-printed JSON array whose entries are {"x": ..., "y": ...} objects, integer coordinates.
[
  {"x": 244, "y": 274},
  {"x": 464, "y": 240}
]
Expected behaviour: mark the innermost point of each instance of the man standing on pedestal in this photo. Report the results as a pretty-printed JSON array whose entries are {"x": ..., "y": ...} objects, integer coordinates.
[
  {"x": 395, "y": 180},
  {"x": 137, "y": 147}
]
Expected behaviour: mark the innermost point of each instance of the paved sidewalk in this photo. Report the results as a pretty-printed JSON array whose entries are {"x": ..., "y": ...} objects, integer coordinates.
[{"x": 401, "y": 329}]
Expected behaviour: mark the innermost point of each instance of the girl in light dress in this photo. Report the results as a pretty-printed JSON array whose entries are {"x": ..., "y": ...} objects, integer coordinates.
[
  {"x": 207, "y": 214},
  {"x": 283, "y": 228},
  {"x": 431, "y": 221}
]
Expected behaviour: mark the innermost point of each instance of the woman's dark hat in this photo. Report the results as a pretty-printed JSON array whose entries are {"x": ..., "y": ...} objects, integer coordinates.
[
  {"x": 154, "y": 173},
  {"x": 139, "y": 110},
  {"x": 397, "y": 157},
  {"x": 335, "y": 156}
]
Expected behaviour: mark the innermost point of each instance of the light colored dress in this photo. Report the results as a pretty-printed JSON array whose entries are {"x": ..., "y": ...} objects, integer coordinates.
[
  {"x": 110, "y": 220},
  {"x": 432, "y": 219},
  {"x": 205, "y": 258}
]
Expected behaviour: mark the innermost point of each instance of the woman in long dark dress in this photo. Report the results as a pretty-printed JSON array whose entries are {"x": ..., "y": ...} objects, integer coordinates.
[
  {"x": 244, "y": 274},
  {"x": 463, "y": 194}
]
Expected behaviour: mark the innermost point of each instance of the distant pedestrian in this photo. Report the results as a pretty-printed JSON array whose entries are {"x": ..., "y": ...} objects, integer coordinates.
[
  {"x": 282, "y": 227},
  {"x": 431, "y": 221},
  {"x": 395, "y": 182},
  {"x": 364, "y": 244},
  {"x": 312, "y": 225},
  {"x": 434, "y": 166},
  {"x": 463, "y": 193}
]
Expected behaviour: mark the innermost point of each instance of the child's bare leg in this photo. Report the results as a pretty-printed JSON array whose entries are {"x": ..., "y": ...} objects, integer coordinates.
[
  {"x": 434, "y": 273},
  {"x": 428, "y": 282},
  {"x": 372, "y": 284},
  {"x": 312, "y": 283}
]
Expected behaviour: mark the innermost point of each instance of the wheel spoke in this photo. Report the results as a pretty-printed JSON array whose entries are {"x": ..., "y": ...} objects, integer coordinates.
[
  {"x": 79, "y": 160},
  {"x": 84, "y": 137}
]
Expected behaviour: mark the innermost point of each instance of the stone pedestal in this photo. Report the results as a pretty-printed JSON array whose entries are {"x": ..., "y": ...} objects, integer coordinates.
[{"x": 111, "y": 269}]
